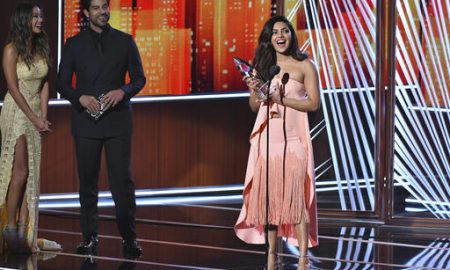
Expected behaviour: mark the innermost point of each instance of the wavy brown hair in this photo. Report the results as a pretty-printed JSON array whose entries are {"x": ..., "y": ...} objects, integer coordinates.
[
  {"x": 265, "y": 55},
  {"x": 21, "y": 36}
]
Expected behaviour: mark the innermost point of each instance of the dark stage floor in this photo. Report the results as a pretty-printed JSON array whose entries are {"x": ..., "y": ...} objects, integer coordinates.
[{"x": 190, "y": 232}]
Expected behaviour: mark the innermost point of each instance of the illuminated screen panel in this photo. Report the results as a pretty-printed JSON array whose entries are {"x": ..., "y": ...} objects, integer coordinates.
[{"x": 186, "y": 46}]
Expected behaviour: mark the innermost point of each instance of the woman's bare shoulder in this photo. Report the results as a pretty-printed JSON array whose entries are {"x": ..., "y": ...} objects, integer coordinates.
[
  {"x": 10, "y": 50},
  {"x": 307, "y": 64}
]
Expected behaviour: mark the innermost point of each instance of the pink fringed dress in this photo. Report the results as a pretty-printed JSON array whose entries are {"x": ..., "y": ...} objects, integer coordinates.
[{"x": 292, "y": 196}]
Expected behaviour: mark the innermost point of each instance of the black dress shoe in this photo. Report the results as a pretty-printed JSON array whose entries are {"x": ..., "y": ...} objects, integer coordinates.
[
  {"x": 131, "y": 249},
  {"x": 88, "y": 246}
]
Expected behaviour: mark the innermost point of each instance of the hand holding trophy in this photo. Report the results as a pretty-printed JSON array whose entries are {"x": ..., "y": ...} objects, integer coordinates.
[
  {"x": 261, "y": 88},
  {"x": 96, "y": 115}
]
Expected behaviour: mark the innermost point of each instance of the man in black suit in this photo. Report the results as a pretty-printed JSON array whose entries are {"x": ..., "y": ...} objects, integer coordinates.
[{"x": 100, "y": 57}]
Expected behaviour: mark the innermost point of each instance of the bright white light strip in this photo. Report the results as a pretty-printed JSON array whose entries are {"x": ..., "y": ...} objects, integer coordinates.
[
  {"x": 421, "y": 174},
  {"x": 422, "y": 188},
  {"x": 363, "y": 41},
  {"x": 444, "y": 39},
  {"x": 318, "y": 175},
  {"x": 370, "y": 247},
  {"x": 354, "y": 249},
  {"x": 146, "y": 201},
  {"x": 294, "y": 10},
  {"x": 339, "y": 250},
  {"x": 436, "y": 61},
  {"x": 334, "y": 182},
  {"x": 416, "y": 210},
  {"x": 347, "y": 158},
  {"x": 349, "y": 249},
  {"x": 434, "y": 54},
  {"x": 322, "y": 127},
  {"x": 368, "y": 15},
  {"x": 148, "y": 99},
  {"x": 305, "y": 45},
  {"x": 400, "y": 42},
  {"x": 323, "y": 164},
  {"x": 346, "y": 90},
  {"x": 441, "y": 85},
  {"x": 319, "y": 55},
  {"x": 413, "y": 118},
  {"x": 151, "y": 192},
  {"x": 411, "y": 185},
  {"x": 319, "y": 125},
  {"x": 409, "y": 200},
  {"x": 403, "y": 130},
  {"x": 344, "y": 187},
  {"x": 430, "y": 109},
  {"x": 433, "y": 257},
  {"x": 368, "y": 55},
  {"x": 369, "y": 115}
]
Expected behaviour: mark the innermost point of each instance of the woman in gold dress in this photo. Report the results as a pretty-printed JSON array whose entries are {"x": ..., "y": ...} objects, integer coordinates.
[{"x": 23, "y": 119}]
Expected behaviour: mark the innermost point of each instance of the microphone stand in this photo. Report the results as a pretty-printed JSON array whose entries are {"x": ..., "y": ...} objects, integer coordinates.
[
  {"x": 274, "y": 70},
  {"x": 266, "y": 229}
]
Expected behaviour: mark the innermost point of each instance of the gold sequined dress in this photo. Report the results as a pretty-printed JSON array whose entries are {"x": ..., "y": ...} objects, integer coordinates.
[{"x": 14, "y": 123}]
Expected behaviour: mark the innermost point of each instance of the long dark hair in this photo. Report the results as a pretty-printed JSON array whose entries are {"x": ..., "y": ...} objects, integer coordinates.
[
  {"x": 21, "y": 36},
  {"x": 265, "y": 55}
]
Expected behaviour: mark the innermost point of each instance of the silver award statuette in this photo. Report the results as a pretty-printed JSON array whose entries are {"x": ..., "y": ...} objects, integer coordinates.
[
  {"x": 246, "y": 70},
  {"x": 97, "y": 115},
  {"x": 262, "y": 90}
]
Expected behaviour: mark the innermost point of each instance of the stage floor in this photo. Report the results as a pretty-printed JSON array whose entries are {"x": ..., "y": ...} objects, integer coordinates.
[{"x": 192, "y": 235}]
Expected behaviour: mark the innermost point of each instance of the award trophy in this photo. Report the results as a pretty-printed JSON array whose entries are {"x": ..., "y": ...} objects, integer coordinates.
[
  {"x": 247, "y": 70},
  {"x": 97, "y": 115},
  {"x": 244, "y": 68}
]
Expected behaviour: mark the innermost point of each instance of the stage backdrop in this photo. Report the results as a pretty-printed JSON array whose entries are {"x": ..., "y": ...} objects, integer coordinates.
[{"x": 186, "y": 46}]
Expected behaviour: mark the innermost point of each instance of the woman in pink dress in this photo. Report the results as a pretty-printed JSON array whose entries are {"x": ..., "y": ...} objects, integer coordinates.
[{"x": 292, "y": 198}]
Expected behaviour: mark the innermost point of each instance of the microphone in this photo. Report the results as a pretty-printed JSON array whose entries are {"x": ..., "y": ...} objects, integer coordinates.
[
  {"x": 263, "y": 92},
  {"x": 284, "y": 81},
  {"x": 285, "y": 78},
  {"x": 273, "y": 70}
]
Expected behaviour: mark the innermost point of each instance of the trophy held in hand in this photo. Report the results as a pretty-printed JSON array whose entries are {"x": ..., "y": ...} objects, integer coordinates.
[
  {"x": 96, "y": 115},
  {"x": 246, "y": 70}
]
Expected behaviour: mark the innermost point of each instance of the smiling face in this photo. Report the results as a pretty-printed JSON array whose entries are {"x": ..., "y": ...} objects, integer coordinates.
[
  {"x": 98, "y": 14},
  {"x": 281, "y": 37},
  {"x": 36, "y": 20}
]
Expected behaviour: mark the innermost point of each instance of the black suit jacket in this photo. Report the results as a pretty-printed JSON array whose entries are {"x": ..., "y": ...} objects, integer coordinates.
[{"x": 96, "y": 74}]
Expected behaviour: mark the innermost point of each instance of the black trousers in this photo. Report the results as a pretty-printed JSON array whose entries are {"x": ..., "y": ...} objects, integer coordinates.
[{"x": 118, "y": 155}]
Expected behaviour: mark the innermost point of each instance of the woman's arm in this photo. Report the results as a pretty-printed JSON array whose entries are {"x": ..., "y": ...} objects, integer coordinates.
[
  {"x": 311, "y": 82},
  {"x": 253, "y": 85},
  {"x": 9, "y": 63},
  {"x": 44, "y": 106},
  {"x": 44, "y": 100}
]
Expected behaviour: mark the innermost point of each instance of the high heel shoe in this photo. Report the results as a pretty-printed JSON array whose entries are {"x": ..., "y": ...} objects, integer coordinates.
[{"x": 48, "y": 245}]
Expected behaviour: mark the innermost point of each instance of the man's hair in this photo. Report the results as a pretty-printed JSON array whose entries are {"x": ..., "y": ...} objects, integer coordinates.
[{"x": 85, "y": 4}]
